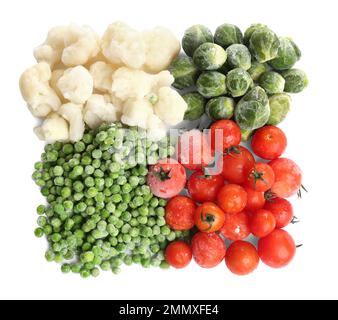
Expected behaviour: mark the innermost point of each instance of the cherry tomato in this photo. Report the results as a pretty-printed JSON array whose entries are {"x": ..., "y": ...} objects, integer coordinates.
[
  {"x": 208, "y": 249},
  {"x": 288, "y": 177},
  {"x": 237, "y": 163},
  {"x": 261, "y": 178},
  {"x": 241, "y": 258},
  {"x": 193, "y": 150},
  {"x": 236, "y": 226},
  {"x": 232, "y": 198},
  {"x": 179, "y": 213},
  {"x": 229, "y": 135},
  {"x": 262, "y": 222},
  {"x": 209, "y": 217},
  {"x": 167, "y": 178},
  {"x": 269, "y": 142},
  {"x": 277, "y": 249},
  {"x": 178, "y": 254},
  {"x": 255, "y": 199},
  {"x": 204, "y": 188},
  {"x": 281, "y": 209}
]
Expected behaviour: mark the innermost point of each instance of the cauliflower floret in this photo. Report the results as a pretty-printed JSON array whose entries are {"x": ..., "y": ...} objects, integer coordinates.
[
  {"x": 162, "y": 47},
  {"x": 73, "y": 114},
  {"x": 156, "y": 129},
  {"x": 76, "y": 84},
  {"x": 122, "y": 45},
  {"x": 36, "y": 91},
  {"x": 136, "y": 112},
  {"x": 54, "y": 128},
  {"x": 56, "y": 75},
  {"x": 170, "y": 106},
  {"x": 102, "y": 74}
]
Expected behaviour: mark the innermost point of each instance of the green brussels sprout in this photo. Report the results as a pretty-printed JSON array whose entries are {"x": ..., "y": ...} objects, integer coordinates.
[
  {"x": 220, "y": 108},
  {"x": 238, "y": 82},
  {"x": 295, "y": 80},
  {"x": 211, "y": 84},
  {"x": 279, "y": 107},
  {"x": 264, "y": 44},
  {"x": 288, "y": 54},
  {"x": 209, "y": 56},
  {"x": 246, "y": 134},
  {"x": 248, "y": 32},
  {"x": 252, "y": 111},
  {"x": 238, "y": 56},
  {"x": 194, "y": 37},
  {"x": 196, "y": 105},
  {"x": 228, "y": 34},
  {"x": 272, "y": 82},
  {"x": 257, "y": 69},
  {"x": 184, "y": 72}
]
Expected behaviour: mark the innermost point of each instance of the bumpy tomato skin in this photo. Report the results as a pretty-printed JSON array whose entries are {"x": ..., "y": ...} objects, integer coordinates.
[
  {"x": 232, "y": 198},
  {"x": 282, "y": 210},
  {"x": 236, "y": 226},
  {"x": 178, "y": 254}
]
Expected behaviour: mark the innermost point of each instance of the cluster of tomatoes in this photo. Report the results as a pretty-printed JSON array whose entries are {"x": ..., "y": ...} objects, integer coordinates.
[{"x": 245, "y": 197}]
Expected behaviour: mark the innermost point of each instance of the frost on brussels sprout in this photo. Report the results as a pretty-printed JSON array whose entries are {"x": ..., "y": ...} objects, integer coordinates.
[
  {"x": 238, "y": 82},
  {"x": 209, "y": 56},
  {"x": 272, "y": 82},
  {"x": 196, "y": 105},
  {"x": 264, "y": 44},
  {"x": 228, "y": 34},
  {"x": 288, "y": 54},
  {"x": 211, "y": 84},
  {"x": 257, "y": 69},
  {"x": 220, "y": 108},
  {"x": 295, "y": 80},
  {"x": 194, "y": 37},
  {"x": 248, "y": 32},
  {"x": 252, "y": 111},
  {"x": 238, "y": 56},
  {"x": 184, "y": 72},
  {"x": 279, "y": 107}
]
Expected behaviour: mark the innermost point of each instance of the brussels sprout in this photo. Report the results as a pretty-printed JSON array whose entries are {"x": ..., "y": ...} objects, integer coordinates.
[
  {"x": 184, "y": 72},
  {"x": 238, "y": 56},
  {"x": 220, "y": 108},
  {"x": 238, "y": 82},
  {"x": 272, "y": 82},
  {"x": 228, "y": 34},
  {"x": 211, "y": 84},
  {"x": 248, "y": 32},
  {"x": 252, "y": 111},
  {"x": 295, "y": 80},
  {"x": 257, "y": 69},
  {"x": 246, "y": 134},
  {"x": 209, "y": 56},
  {"x": 196, "y": 105},
  {"x": 279, "y": 107},
  {"x": 194, "y": 37},
  {"x": 264, "y": 44}
]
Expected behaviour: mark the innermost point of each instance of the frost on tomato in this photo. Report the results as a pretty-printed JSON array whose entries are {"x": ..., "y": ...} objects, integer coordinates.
[
  {"x": 178, "y": 254},
  {"x": 281, "y": 209},
  {"x": 236, "y": 226}
]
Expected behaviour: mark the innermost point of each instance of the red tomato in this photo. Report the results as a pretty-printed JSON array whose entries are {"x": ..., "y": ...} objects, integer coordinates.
[
  {"x": 229, "y": 135},
  {"x": 288, "y": 177},
  {"x": 241, "y": 258},
  {"x": 232, "y": 198},
  {"x": 167, "y": 178},
  {"x": 209, "y": 217},
  {"x": 236, "y": 226},
  {"x": 255, "y": 199},
  {"x": 193, "y": 150},
  {"x": 277, "y": 249},
  {"x": 204, "y": 188},
  {"x": 262, "y": 222},
  {"x": 281, "y": 209},
  {"x": 261, "y": 178},
  {"x": 237, "y": 163},
  {"x": 269, "y": 142},
  {"x": 208, "y": 249},
  {"x": 178, "y": 254},
  {"x": 179, "y": 213}
]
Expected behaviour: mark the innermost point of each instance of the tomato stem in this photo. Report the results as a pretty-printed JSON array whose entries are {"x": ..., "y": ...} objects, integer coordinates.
[
  {"x": 295, "y": 220},
  {"x": 258, "y": 176},
  {"x": 299, "y": 246},
  {"x": 270, "y": 196},
  {"x": 232, "y": 150},
  {"x": 163, "y": 175},
  {"x": 209, "y": 218},
  {"x": 299, "y": 192}
]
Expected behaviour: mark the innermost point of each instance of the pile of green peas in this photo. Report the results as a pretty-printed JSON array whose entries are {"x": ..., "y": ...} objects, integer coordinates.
[{"x": 100, "y": 212}]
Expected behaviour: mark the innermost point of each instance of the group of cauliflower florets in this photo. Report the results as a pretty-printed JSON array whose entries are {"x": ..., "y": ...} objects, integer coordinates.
[{"x": 81, "y": 79}]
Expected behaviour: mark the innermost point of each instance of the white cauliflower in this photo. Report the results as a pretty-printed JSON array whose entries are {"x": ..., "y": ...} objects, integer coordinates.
[
  {"x": 36, "y": 91},
  {"x": 73, "y": 114},
  {"x": 170, "y": 106},
  {"x": 76, "y": 84},
  {"x": 54, "y": 128},
  {"x": 136, "y": 112},
  {"x": 156, "y": 129},
  {"x": 56, "y": 75},
  {"x": 102, "y": 74}
]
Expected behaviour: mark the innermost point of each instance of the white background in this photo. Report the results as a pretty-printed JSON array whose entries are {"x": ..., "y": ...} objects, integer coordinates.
[{"x": 311, "y": 128}]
